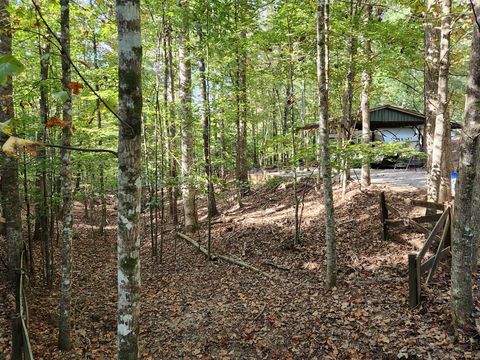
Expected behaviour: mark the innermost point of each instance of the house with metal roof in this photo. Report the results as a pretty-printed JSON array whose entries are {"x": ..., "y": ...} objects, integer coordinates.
[{"x": 390, "y": 123}]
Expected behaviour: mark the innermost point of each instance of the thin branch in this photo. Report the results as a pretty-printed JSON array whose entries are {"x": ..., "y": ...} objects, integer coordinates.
[
  {"x": 82, "y": 149},
  {"x": 474, "y": 14},
  {"x": 37, "y": 8}
]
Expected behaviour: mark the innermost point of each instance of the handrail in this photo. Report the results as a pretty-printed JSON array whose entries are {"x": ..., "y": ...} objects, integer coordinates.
[
  {"x": 438, "y": 226},
  {"x": 415, "y": 266}
]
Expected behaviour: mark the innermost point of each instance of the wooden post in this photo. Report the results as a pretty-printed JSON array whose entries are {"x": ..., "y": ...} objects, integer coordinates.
[
  {"x": 413, "y": 281},
  {"x": 448, "y": 240},
  {"x": 441, "y": 246},
  {"x": 383, "y": 215}
]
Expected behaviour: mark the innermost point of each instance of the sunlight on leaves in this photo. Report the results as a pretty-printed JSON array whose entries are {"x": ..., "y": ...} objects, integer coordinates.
[
  {"x": 6, "y": 127},
  {"x": 9, "y": 66},
  {"x": 15, "y": 146}
]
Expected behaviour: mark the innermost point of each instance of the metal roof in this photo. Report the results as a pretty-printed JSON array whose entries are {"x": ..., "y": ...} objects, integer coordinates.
[
  {"x": 392, "y": 116},
  {"x": 388, "y": 116}
]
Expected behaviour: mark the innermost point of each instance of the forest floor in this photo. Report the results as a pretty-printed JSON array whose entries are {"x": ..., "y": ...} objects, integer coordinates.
[{"x": 193, "y": 308}]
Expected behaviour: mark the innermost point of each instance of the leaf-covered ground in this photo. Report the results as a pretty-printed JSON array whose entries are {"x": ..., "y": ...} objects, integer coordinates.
[{"x": 193, "y": 308}]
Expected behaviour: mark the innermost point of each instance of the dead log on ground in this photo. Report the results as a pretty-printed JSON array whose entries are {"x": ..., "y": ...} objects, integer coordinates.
[
  {"x": 222, "y": 257},
  {"x": 196, "y": 245}
]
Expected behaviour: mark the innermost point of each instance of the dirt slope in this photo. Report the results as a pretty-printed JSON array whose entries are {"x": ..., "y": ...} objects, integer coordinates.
[{"x": 193, "y": 308}]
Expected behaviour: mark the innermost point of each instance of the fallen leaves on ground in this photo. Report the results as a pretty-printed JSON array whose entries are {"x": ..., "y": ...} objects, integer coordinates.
[{"x": 193, "y": 308}]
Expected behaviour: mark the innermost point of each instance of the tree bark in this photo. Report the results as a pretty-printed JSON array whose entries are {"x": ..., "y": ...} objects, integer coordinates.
[
  {"x": 103, "y": 200},
  {"x": 186, "y": 118},
  {"x": 467, "y": 197},
  {"x": 212, "y": 204},
  {"x": 364, "y": 104},
  {"x": 64, "y": 339},
  {"x": 241, "y": 161},
  {"x": 331, "y": 275},
  {"x": 347, "y": 100},
  {"x": 431, "y": 64},
  {"x": 129, "y": 177},
  {"x": 41, "y": 232},
  {"x": 439, "y": 179},
  {"x": 172, "y": 132},
  {"x": 9, "y": 166}
]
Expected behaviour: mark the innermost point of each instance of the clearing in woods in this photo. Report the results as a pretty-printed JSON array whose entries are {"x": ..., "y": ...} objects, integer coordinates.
[{"x": 193, "y": 308}]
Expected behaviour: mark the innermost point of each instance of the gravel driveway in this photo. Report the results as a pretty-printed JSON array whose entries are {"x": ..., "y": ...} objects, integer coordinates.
[{"x": 416, "y": 178}]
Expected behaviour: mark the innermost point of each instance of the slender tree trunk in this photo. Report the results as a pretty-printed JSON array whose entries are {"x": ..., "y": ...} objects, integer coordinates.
[
  {"x": 431, "y": 64},
  {"x": 41, "y": 232},
  {"x": 437, "y": 178},
  {"x": 291, "y": 109},
  {"x": 9, "y": 185},
  {"x": 28, "y": 216},
  {"x": 276, "y": 149},
  {"x": 223, "y": 149},
  {"x": 331, "y": 275},
  {"x": 286, "y": 109},
  {"x": 64, "y": 340},
  {"x": 103, "y": 201},
  {"x": 467, "y": 197},
  {"x": 241, "y": 162},
  {"x": 326, "y": 28},
  {"x": 364, "y": 105},
  {"x": 186, "y": 116},
  {"x": 158, "y": 135},
  {"x": 159, "y": 141},
  {"x": 172, "y": 129},
  {"x": 347, "y": 100},
  {"x": 212, "y": 205},
  {"x": 129, "y": 177}
]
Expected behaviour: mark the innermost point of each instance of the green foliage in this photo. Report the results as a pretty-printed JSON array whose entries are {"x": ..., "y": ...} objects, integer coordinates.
[
  {"x": 280, "y": 46},
  {"x": 375, "y": 152},
  {"x": 275, "y": 181},
  {"x": 9, "y": 66}
]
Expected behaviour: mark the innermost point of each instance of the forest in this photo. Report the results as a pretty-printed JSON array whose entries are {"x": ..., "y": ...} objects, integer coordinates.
[{"x": 239, "y": 179}]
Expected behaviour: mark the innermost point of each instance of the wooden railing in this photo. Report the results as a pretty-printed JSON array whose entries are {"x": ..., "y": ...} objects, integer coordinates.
[
  {"x": 440, "y": 234},
  {"x": 21, "y": 348},
  {"x": 418, "y": 268}
]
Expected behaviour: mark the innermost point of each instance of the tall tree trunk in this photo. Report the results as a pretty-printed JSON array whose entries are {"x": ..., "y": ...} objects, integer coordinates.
[
  {"x": 331, "y": 275},
  {"x": 173, "y": 190},
  {"x": 41, "y": 232},
  {"x": 347, "y": 99},
  {"x": 157, "y": 135},
  {"x": 326, "y": 26},
  {"x": 103, "y": 200},
  {"x": 64, "y": 341},
  {"x": 431, "y": 64},
  {"x": 223, "y": 149},
  {"x": 186, "y": 116},
  {"x": 129, "y": 177},
  {"x": 212, "y": 205},
  {"x": 364, "y": 104},
  {"x": 9, "y": 166},
  {"x": 291, "y": 108},
  {"x": 467, "y": 197},
  {"x": 438, "y": 178},
  {"x": 286, "y": 109},
  {"x": 241, "y": 161}
]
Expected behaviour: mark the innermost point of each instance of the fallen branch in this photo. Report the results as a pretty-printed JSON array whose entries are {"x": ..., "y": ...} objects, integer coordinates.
[
  {"x": 243, "y": 264},
  {"x": 261, "y": 312},
  {"x": 222, "y": 257},
  {"x": 277, "y": 266},
  {"x": 196, "y": 245}
]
